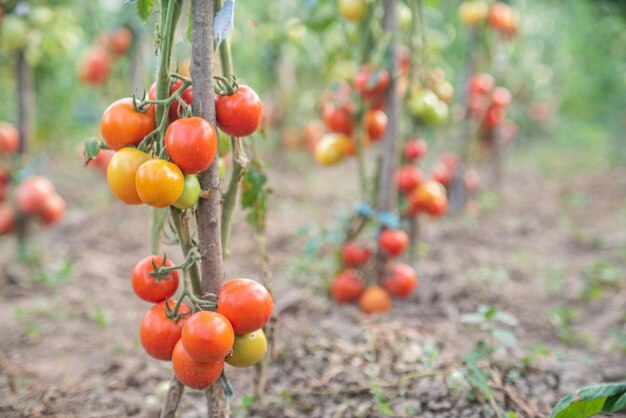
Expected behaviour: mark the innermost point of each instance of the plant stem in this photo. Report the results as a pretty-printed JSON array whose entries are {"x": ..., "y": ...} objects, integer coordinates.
[
  {"x": 208, "y": 210},
  {"x": 386, "y": 191},
  {"x": 157, "y": 217},
  {"x": 181, "y": 224}
]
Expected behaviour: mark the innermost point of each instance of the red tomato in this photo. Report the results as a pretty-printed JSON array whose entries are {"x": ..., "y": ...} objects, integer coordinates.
[
  {"x": 371, "y": 83},
  {"x": 158, "y": 333},
  {"x": 52, "y": 210},
  {"x": 246, "y": 303},
  {"x": 502, "y": 18},
  {"x": 402, "y": 281},
  {"x": 121, "y": 40},
  {"x": 32, "y": 193},
  {"x": 438, "y": 207},
  {"x": 415, "y": 149},
  {"x": 122, "y": 125},
  {"x": 471, "y": 180},
  {"x": 240, "y": 113},
  {"x": 94, "y": 67},
  {"x": 101, "y": 161},
  {"x": 375, "y": 299},
  {"x": 175, "y": 107},
  {"x": 150, "y": 288},
  {"x": 347, "y": 287},
  {"x": 375, "y": 124},
  {"x": 481, "y": 83},
  {"x": 7, "y": 219},
  {"x": 353, "y": 255},
  {"x": 9, "y": 138},
  {"x": 191, "y": 144},
  {"x": 442, "y": 174},
  {"x": 501, "y": 96},
  {"x": 408, "y": 178},
  {"x": 493, "y": 117},
  {"x": 338, "y": 119},
  {"x": 192, "y": 373},
  {"x": 393, "y": 242},
  {"x": 208, "y": 336}
]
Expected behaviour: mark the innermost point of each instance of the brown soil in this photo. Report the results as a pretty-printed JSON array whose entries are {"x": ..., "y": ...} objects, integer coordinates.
[{"x": 74, "y": 348}]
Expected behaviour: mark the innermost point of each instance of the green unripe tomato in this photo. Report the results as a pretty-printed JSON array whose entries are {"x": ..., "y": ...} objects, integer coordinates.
[
  {"x": 422, "y": 103},
  {"x": 223, "y": 143},
  {"x": 248, "y": 349},
  {"x": 13, "y": 33},
  {"x": 191, "y": 192}
]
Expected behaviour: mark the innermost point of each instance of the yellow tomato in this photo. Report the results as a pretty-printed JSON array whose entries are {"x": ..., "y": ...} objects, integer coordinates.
[
  {"x": 121, "y": 173},
  {"x": 473, "y": 13},
  {"x": 331, "y": 149},
  {"x": 353, "y": 10},
  {"x": 159, "y": 183}
]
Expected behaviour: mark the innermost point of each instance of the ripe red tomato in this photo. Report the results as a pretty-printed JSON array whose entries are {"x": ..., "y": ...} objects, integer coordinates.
[
  {"x": 158, "y": 333},
  {"x": 502, "y": 18},
  {"x": 408, "y": 178},
  {"x": 52, "y": 210},
  {"x": 402, "y": 281},
  {"x": 338, "y": 119},
  {"x": 415, "y": 149},
  {"x": 159, "y": 183},
  {"x": 122, "y": 125},
  {"x": 501, "y": 96},
  {"x": 121, "y": 40},
  {"x": 192, "y": 144},
  {"x": 471, "y": 180},
  {"x": 481, "y": 83},
  {"x": 208, "y": 336},
  {"x": 438, "y": 207},
  {"x": 375, "y": 124},
  {"x": 246, "y": 303},
  {"x": 7, "y": 219},
  {"x": 353, "y": 255},
  {"x": 372, "y": 83},
  {"x": 9, "y": 138},
  {"x": 32, "y": 193},
  {"x": 393, "y": 241},
  {"x": 375, "y": 299},
  {"x": 101, "y": 161},
  {"x": 493, "y": 117},
  {"x": 149, "y": 287},
  {"x": 175, "y": 107},
  {"x": 441, "y": 173},
  {"x": 346, "y": 287},
  {"x": 240, "y": 113},
  {"x": 121, "y": 173},
  {"x": 192, "y": 373},
  {"x": 94, "y": 67}
]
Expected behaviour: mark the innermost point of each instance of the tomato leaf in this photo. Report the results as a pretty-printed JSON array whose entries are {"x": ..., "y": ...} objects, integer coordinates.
[
  {"x": 254, "y": 196},
  {"x": 592, "y": 400},
  {"x": 144, "y": 8},
  {"x": 223, "y": 22},
  {"x": 91, "y": 150}
]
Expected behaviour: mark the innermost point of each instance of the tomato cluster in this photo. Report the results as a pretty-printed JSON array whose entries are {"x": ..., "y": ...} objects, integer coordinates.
[
  {"x": 339, "y": 113},
  {"x": 33, "y": 197},
  {"x": 498, "y": 15},
  {"x": 429, "y": 103},
  {"x": 488, "y": 104},
  {"x": 199, "y": 342},
  {"x": 95, "y": 64}
]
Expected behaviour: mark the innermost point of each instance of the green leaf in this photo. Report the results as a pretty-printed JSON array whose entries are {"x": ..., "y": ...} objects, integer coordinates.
[
  {"x": 592, "y": 400},
  {"x": 504, "y": 336},
  {"x": 91, "y": 150},
  {"x": 144, "y": 8},
  {"x": 254, "y": 196}
]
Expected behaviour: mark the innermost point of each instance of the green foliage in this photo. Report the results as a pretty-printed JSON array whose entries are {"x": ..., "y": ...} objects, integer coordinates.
[
  {"x": 254, "y": 196},
  {"x": 592, "y": 400}
]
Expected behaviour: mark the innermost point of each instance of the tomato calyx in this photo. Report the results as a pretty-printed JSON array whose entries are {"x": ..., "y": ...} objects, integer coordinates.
[
  {"x": 91, "y": 150},
  {"x": 174, "y": 313},
  {"x": 225, "y": 86}
]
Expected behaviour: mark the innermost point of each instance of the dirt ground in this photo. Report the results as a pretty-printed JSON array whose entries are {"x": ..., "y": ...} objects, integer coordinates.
[{"x": 71, "y": 337}]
